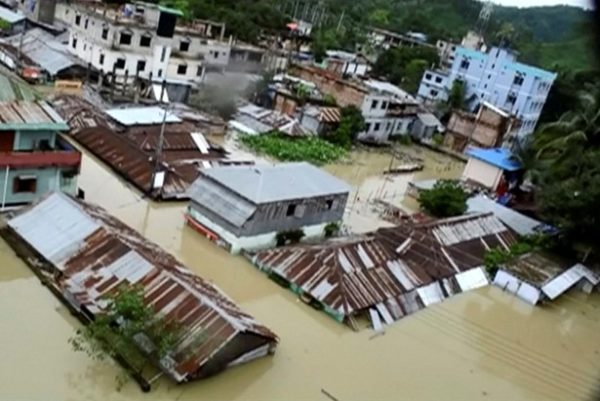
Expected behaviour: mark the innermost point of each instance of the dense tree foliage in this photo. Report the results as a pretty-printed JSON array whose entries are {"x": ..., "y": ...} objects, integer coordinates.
[
  {"x": 563, "y": 159},
  {"x": 445, "y": 199},
  {"x": 404, "y": 66},
  {"x": 351, "y": 123},
  {"x": 130, "y": 330}
]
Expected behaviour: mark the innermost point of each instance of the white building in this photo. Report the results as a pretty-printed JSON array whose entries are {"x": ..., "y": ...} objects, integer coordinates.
[
  {"x": 387, "y": 110},
  {"x": 143, "y": 39},
  {"x": 495, "y": 77}
]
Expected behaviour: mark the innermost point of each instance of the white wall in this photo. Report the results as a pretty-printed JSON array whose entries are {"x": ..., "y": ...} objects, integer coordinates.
[
  {"x": 483, "y": 173},
  {"x": 255, "y": 242},
  {"x": 515, "y": 286}
]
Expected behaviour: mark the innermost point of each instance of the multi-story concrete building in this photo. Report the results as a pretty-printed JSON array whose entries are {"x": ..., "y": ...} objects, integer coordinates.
[
  {"x": 495, "y": 77},
  {"x": 33, "y": 158},
  {"x": 144, "y": 39}
]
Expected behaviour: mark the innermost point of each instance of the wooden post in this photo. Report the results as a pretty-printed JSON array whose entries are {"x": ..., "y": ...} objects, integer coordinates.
[
  {"x": 136, "y": 86},
  {"x": 124, "y": 88},
  {"x": 112, "y": 81},
  {"x": 162, "y": 90}
]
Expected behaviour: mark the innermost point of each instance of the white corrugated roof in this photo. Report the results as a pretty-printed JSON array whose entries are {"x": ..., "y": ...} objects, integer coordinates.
[
  {"x": 142, "y": 116},
  {"x": 520, "y": 223},
  {"x": 64, "y": 229},
  {"x": 286, "y": 181},
  {"x": 11, "y": 16},
  {"x": 569, "y": 278}
]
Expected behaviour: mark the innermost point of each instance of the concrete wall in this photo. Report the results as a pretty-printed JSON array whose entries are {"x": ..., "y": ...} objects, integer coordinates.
[
  {"x": 29, "y": 140},
  {"x": 48, "y": 179},
  {"x": 491, "y": 77},
  {"x": 90, "y": 45},
  {"x": 483, "y": 173},
  {"x": 434, "y": 87},
  {"x": 346, "y": 93}
]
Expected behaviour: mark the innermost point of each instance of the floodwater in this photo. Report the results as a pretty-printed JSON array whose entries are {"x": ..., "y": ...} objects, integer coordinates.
[{"x": 482, "y": 345}]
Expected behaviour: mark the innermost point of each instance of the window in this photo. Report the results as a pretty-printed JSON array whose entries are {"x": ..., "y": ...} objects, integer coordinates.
[
  {"x": 163, "y": 54},
  {"x": 145, "y": 41},
  {"x": 511, "y": 98},
  {"x": 203, "y": 41},
  {"x": 181, "y": 69},
  {"x": 388, "y": 126},
  {"x": 367, "y": 127},
  {"x": 377, "y": 127},
  {"x": 141, "y": 65},
  {"x": 433, "y": 92},
  {"x": 120, "y": 63},
  {"x": 159, "y": 73},
  {"x": 44, "y": 144},
  {"x": 216, "y": 54},
  {"x": 74, "y": 43},
  {"x": 77, "y": 20},
  {"x": 105, "y": 33},
  {"x": 25, "y": 183},
  {"x": 383, "y": 105},
  {"x": 184, "y": 46},
  {"x": 464, "y": 64},
  {"x": 329, "y": 204},
  {"x": 518, "y": 80},
  {"x": 493, "y": 66},
  {"x": 291, "y": 209},
  {"x": 438, "y": 80},
  {"x": 101, "y": 59},
  {"x": 125, "y": 38},
  {"x": 85, "y": 25},
  {"x": 199, "y": 71},
  {"x": 374, "y": 104},
  {"x": 428, "y": 77},
  {"x": 84, "y": 47}
]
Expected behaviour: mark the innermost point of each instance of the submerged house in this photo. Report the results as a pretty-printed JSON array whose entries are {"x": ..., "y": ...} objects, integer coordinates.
[
  {"x": 247, "y": 207},
  {"x": 33, "y": 158},
  {"x": 494, "y": 169},
  {"x": 128, "y": 141},
  {"x": 537, "y": 278},
  {"x": 392, "y": 272},
  {"x": 87, "y": 254}
]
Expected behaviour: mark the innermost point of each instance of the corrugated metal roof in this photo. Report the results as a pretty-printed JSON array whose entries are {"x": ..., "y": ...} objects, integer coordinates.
[
  {"x": 64, "y": 229},
  {"x": 395, "y": 271},
  {"x": 98, "y": 253},
  {"x": 44, "y": 49},
  {"x": 11, "y": 89},
  {"x": 330, "y": 115},
  {"x": 568, "y": 279},
  {"x": 498, "y": 157},
  {"x": 30, "y": 115},
  {"x": 221, "y": 201},
  {"x": 274, "y": 183},
  {"x": 142, "y": 116},
  {"x": 520, "y": 223},
  {"x": 11, "y": 16}
]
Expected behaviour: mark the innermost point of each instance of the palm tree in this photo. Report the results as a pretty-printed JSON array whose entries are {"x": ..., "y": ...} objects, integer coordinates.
[{"x": 575, "y": 131}]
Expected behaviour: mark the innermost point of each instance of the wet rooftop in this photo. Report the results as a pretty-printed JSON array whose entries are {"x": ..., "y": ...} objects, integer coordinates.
[{"x": 481, "y": 346}]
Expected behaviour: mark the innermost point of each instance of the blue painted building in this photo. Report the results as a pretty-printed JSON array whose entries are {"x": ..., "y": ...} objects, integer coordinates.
[
  {"x": 34, "y": 159},
  {"x": 495, "y": 77}
]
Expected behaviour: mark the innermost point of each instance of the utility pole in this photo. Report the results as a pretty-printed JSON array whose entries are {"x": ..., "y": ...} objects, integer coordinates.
[{"x": 339, "y": 25}]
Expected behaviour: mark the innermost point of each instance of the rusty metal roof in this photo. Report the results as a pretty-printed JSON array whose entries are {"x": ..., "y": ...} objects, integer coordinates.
[
  {"x": 392, "y": 272},
  {"x": 98, "y": 253},
  {"x": 29, "y": 115},
  {"x": 130, "y": 150},
  {"x": 330, "y": 115}
]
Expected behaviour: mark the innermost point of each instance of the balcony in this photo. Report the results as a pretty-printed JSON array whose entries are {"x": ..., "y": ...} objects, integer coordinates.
[{"x": 36, "y": 159}]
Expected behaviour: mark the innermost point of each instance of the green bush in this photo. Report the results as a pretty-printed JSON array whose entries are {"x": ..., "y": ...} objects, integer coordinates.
[
  {"x": 331, "y": 229},
  {"x": 312, "y": 149},
  {"x": 438, "y": 139},
  {"x": 289, "y": 237},
  {"x": 445, "y": 199}
]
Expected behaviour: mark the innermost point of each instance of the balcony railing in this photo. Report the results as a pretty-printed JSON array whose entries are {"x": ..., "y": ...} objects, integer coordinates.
[{"x": 57, "y": 158}]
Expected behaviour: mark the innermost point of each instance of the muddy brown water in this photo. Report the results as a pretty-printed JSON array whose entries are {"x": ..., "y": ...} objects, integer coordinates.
[{"x": 482, "y": 345}]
